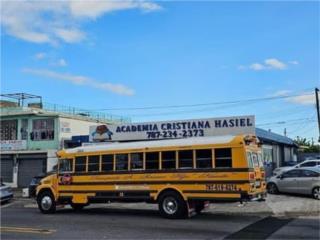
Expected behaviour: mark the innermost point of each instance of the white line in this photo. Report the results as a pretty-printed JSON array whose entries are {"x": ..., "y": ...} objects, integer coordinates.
[{"x": 7, "y": 205}]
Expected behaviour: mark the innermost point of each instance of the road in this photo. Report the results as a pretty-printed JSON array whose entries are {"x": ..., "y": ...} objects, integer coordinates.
[{"x": 21, "y": 220}]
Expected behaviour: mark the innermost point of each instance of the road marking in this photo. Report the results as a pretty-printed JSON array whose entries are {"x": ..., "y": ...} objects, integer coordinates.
[
  {"x": 26, "y": 230},
  {"x": 7, "y": 205},
  {"x": 261, "y": 229}
]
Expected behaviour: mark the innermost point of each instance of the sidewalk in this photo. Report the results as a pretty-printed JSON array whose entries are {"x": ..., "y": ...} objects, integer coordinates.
[{"x": 276, "y": 205}]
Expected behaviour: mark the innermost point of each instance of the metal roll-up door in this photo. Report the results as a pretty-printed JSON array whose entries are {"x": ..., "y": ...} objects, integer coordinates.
[
  {"x": 6, "y": 168},
  {"x": 30, "y": 165}
]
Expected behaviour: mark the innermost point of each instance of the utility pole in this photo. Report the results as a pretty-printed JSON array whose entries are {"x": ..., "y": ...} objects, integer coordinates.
[
  {"x": 285, "y": 132},
  {"x": 316, "y": 91}
]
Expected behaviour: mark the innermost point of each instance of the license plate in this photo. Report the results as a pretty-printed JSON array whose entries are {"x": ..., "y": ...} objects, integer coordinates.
[{"x": 257, "y": 184}]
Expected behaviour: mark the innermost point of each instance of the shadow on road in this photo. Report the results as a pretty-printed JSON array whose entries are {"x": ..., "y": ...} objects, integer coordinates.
[{"x": 116, "y": 212}]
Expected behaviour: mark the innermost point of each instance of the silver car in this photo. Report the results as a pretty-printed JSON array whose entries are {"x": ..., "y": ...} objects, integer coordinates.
[
  {"x": 307, "y": 163},
  {"x": 6, "y": 193},
  {"x": 298, "y": 180}
]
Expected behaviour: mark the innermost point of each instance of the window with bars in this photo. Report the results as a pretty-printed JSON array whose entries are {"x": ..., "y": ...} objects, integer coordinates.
[
  {"x": 42, "y": 129},
  {"x": 9, "y": 129}
]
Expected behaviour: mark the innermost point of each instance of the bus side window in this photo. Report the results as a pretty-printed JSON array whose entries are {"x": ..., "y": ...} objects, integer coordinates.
[
  {"x": 152, "y": 160},
  {"x": 185, "y": 159},
  {"x": 107, "y": 163},
  {"x": 204, "y": 158},
  {"x": 223, "y": 157},
  {"x": 136, "y": 161},
  {"x": 80, "y": 164},
  {"x": 93, "y": 163},
  {"x": 121, "y": 162},
  {"x": 65, "y": 165},
  {"x": 169, "y": 160}
]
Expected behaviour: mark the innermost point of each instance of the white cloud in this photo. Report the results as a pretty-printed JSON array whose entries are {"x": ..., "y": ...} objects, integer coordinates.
[
  {"x": 94, "y": 9},
  {"x": 257, "y": 66},
  {"x": 70, "y": 35},
  {"x": 241, "y": 67},
  {"x": 274, "y": 63},
  {"x": 40, "y": 55},
  {"x": 307, "y": 98},
  {"x": 294, "y": 62},
  {"x": 281, "y": 93},
  {"x": 61, "y": 62},
  {"x": 81, "y": 80},
  {"x": 268, "y": 64},
  {"x": 59, "y": 21}
]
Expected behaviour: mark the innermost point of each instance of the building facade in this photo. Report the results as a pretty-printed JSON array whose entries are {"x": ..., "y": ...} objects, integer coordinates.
[
  {"x": 31, "y": 136},
  {"x": 277, "y": 150}
]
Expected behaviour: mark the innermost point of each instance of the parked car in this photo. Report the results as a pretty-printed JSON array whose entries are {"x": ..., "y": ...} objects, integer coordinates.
[
  {"x": 35, "y": 181},
  {"x": 6, "y": 193},
  {"x": 301, "y": 181},
  {"x": 307, "y": 163}
]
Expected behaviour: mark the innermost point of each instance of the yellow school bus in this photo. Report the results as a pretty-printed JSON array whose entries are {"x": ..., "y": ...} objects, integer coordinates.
[{"x": 181, "y": 175}]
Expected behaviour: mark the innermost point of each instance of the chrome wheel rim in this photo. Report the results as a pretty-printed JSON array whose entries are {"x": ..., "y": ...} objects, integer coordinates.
[
  {"x": 46, "y": 203},
  {"x": 170, "y": 205},
  {"x": 316, "y": 193}
]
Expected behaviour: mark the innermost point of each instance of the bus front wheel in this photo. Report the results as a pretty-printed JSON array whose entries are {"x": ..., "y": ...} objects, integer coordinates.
[
  {"x": 46, "y": 202},
  {"x": 172, "y": 205}
]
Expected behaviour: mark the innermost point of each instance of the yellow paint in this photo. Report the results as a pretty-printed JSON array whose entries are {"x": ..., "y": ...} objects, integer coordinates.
[
  {"x": 159, "y": 181},
  {"x": 26, "y": 230},
  {"x": 81, "y": 198}
]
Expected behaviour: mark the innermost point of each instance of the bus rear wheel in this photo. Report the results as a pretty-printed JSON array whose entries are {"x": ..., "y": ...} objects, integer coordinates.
[
  {"x": 46, "y": 202},
  {"x": 172, "y": 205}
]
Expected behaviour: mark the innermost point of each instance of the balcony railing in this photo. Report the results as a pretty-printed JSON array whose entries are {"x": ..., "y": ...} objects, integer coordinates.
[{"x": 67, "y": 110}]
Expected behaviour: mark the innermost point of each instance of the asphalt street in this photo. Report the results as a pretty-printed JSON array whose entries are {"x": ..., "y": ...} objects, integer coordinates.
[{"x": 18, "y": 221}]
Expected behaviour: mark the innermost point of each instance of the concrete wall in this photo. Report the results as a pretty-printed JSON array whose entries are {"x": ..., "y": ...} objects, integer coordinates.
[
  {"x": 52, "y": 160},
  {"x": 73, "y": 127}
]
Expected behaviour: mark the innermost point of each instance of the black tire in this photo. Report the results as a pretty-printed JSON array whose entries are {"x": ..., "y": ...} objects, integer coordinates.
[
  {"x": 316, "y": 193},
  {"x": 199, "y": 206},
  {"x": 46, "y": 202},
  {"x": 172, "y": 205},
  {"x": 77, "y": 206},
  {"x": 272, "y": 188}
]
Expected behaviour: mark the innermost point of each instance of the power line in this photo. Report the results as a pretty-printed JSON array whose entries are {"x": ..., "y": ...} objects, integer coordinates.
[
  {"x": 290, "y": 121},
  {"x": 204, "y": 104}
]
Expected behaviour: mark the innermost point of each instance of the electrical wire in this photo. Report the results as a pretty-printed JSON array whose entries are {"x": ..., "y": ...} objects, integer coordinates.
[{"x": 205, "y": 104}]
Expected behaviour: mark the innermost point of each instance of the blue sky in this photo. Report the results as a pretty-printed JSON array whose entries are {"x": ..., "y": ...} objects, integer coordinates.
[{"x": 98, "y": 55}]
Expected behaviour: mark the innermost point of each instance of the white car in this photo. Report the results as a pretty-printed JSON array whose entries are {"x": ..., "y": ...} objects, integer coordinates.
[{"x": 307, "y": 163}]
